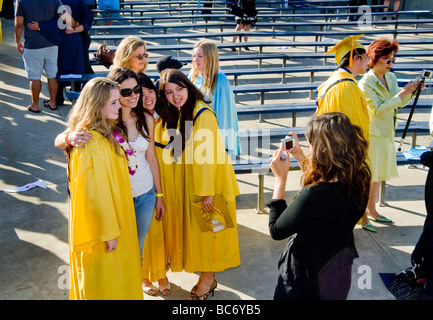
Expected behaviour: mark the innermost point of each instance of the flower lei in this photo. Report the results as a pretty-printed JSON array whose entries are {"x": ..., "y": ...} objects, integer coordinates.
[{"x": 129, "y": 153}]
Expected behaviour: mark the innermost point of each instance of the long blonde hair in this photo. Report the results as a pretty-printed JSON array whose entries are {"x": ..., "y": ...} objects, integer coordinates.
[
  {"x": 86, "y": 113},
  {"x": 124, "y": 52},
  {"x": 211, "y": 61}
]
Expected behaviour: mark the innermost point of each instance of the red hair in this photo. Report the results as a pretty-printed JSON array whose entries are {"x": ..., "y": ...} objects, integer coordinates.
[{"x": 380, "y": 48}]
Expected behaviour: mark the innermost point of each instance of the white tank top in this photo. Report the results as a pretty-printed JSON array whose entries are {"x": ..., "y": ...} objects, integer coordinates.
[{"x": 142, "y": 180}]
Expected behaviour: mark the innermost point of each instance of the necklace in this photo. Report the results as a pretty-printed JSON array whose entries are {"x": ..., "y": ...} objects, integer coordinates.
[{"x": 129, "y": 153}]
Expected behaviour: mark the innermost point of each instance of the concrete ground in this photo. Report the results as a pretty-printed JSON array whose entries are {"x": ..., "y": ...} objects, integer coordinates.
[{"x": 33, "y": 224}]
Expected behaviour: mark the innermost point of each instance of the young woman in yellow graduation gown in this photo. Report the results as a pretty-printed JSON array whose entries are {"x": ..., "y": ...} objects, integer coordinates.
[
  {"x": 201, "y": 184},
  {"x": 103, "y": 246}
]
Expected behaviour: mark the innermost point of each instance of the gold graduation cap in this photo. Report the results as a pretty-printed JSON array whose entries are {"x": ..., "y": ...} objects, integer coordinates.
[{"x": 346, "y": 45}]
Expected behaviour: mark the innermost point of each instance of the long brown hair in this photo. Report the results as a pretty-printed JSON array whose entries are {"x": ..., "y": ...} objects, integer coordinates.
[
  {"x": 338, "y": 153},
  {"x": 119, "y": 75},
  {"x": 169, "y": 114}
]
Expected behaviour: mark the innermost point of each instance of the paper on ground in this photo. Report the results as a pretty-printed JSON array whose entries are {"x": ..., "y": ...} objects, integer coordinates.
[{"x": 39, "y": 183}]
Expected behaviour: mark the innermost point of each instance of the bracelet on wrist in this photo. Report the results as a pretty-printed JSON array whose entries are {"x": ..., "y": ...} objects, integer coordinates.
[
  {"x": 66, "y": 140},
  {"x": 159, "y": 195}
]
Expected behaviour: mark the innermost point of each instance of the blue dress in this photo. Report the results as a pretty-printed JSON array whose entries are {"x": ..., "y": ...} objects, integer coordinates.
[
  {"x": 71, "y": 58},
  {"x": 224, "y": 106}
]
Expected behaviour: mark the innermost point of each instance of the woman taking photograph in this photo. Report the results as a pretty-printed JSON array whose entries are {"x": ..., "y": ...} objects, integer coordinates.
[
  {"x": 206, "y": 186},
  {"x": 208, "y": 78},
  {"x": 317, "y": 261},
  {"x": 383, "y": 96},
  {"x": 131, "y": 53},
  {"x": 104, "y": 255}
]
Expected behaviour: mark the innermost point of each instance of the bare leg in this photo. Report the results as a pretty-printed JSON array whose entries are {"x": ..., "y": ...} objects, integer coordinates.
[
  {"x": 35, "y": 89},
  {"x": 52, "y": 89},
  {"x": 238, "y": 28},
  {"x": 247, "y": 28},
  {"x": 371, "y": 205},
  {"x": 396, "y": 7},
  {"x": 386, "y": 3}
]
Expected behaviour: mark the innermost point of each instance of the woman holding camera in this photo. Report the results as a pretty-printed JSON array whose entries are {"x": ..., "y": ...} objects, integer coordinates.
[
  {"x": 380, "y": 88},
  {"x": 317, "y": 261}
]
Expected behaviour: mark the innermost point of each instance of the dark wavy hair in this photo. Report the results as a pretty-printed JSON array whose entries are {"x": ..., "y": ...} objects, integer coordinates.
[
  {"x": 381, "y": 48},
  {"x": 338, "y": 153},
  {"x": 119, "y": 75},
  {"x": 170, "y": 114}
]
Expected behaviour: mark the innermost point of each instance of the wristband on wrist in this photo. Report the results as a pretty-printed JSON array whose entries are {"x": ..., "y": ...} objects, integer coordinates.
[
  {"x": 66, "y": 140},
  {"x": 158, "y": 195}
]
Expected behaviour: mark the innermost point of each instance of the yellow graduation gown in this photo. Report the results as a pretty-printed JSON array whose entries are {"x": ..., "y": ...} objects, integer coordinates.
[
  {"x": 203, "y": 170},
  {"x": 340, "y": 93},
  {"x": 155, "y": 261},
  {"x": 101, "y": 209}
]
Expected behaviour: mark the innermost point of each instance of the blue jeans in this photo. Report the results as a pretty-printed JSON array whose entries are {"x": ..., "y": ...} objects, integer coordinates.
[{"x": 144, "y": 206}]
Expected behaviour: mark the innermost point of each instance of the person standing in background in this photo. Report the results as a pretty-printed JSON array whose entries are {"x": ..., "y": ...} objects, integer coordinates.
[
  {"x": 39, "y": 54},
  {"x": 340, "y": 93},
  {"x": 214, "y": 84},
  {"x": 395, "y": 8},
  {"x": 249, "y": 17},
  {"x": 73, "y": 54},
  {"x": 383, "y": 97}
]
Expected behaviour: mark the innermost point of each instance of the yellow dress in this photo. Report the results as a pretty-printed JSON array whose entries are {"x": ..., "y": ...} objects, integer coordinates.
[
  {"x": 203, "y": 170},
  {"x": 155, "y": 262},
  {"x": 340, "y": 93},
  {"x": 382, "y": 105},
  {"x": 101, "y": 209}
]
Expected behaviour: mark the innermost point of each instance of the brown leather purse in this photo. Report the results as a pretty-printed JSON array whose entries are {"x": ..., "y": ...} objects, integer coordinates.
[{"x": 104, "y": 56}]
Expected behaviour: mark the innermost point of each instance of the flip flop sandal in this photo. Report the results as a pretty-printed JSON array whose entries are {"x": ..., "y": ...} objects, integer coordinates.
[
  {"x": 47, "y": 105},
  {"x": 34, "y": 111}
]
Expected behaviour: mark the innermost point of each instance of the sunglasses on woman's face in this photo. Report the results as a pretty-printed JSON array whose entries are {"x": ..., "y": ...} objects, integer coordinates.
[
  {"x": 389, "y": 61},
  {"x": 142, "y": 56},
  {"x": 127, "y": 92}
]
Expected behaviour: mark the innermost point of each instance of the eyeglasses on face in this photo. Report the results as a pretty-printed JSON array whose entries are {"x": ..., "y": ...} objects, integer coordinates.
[
  {"x": 389, "y": 61},
  {"x": 128, "y": 91},
  {"x": 142, "y": 56}
]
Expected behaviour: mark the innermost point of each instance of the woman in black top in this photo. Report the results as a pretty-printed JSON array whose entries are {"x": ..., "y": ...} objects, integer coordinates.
[
  {"x": 317, "y": 261},
  {"x": 249, "y": 17}
]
